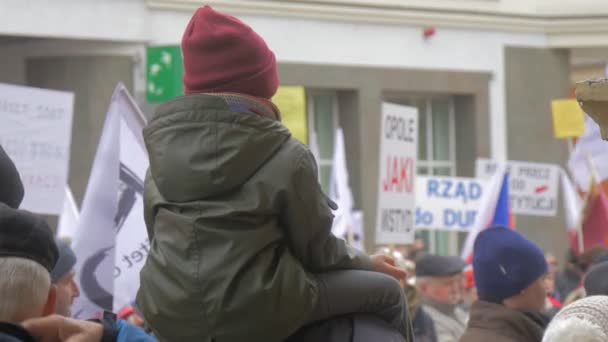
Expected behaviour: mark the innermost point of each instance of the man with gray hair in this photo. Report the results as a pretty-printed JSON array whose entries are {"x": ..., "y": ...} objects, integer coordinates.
[
  {"x": 440, "y": 282},
  {"x": 28, "y": 297},
  {"x": 27, "y": 255}
]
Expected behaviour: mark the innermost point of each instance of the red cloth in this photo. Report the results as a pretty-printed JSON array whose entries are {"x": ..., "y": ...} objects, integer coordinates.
[
  {"x": 554, "y": 302},
  {"x": 595, "y": 225},
  {"x": 126, "y": 312},
  {"x": 222, "y": 54},
  {"x": 470, "y": 278}
]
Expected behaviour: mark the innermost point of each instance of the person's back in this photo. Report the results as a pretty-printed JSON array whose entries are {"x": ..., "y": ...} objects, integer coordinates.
[
  {"x": 238, "y": 223},
  {"x": 218, "y": 222}
]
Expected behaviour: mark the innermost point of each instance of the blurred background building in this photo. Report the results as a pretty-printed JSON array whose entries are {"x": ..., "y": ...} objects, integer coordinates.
[{"x": 482, "y": 73}]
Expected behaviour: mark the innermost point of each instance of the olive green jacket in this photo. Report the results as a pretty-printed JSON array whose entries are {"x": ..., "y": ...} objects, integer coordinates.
[{"x": 238, "y": 226}]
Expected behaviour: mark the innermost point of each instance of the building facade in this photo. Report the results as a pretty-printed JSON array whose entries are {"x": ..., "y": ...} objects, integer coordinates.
[{"x": 482, "y": 74}]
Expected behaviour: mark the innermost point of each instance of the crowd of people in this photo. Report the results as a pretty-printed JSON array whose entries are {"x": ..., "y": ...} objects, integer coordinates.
[{"x": 242, "y": 248}]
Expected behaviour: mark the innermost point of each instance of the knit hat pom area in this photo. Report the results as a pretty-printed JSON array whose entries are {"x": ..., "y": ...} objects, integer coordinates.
[{"x": 585, "y": 320}]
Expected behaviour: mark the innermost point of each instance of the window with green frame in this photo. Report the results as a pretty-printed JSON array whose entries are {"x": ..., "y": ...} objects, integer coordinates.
[
  {"x": 436, "y": 156},
  {"x": 436, "y": 149},
  {"x": 322, "y": 124}
]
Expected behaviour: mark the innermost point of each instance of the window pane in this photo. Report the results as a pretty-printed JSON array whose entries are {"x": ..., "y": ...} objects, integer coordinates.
[
  {"x": 423, "y": 170},
  {"x": 442, "y": 171},
  {"x": 462, "y": 238},
  {"x": 425, "y": 236},
  {"x": 324, "y": 124},
  {"x": 441, "y": 129},
  {"x": 324, "y": 177},
  {"x": 443, "y": 242}
]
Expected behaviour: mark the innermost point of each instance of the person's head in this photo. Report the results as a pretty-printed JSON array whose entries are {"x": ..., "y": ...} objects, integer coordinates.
[
  {"x": 572, "y": 259},
  {"x": 551, "y": 262},
  {"x": 11, "y": 187},
  {"x": 589, "y": 256},
  {"x": 596, "y": 280},
  {"x": 62, "y": 276},
  {"x": 25, "y": 289},
  {"x": 439, "y": 278},
  {"x": 584, "y": 320},
  {"x": 224, "y": 55},
  {"x": 603, "y": 257},
  {"x": 509, "y": 269},
  {"x": 27, "y": 254}
]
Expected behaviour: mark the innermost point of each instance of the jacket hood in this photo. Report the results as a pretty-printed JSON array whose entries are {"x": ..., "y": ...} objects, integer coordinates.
[{"x": 199, "y": 148}]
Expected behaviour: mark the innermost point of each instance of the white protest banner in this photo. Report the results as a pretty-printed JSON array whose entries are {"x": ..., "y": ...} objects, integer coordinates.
[
  {"x": 35, "y": 131},
  {"x": 533, "y": 187},
  {"x": 447, "y": 202},
  {"x": 397, "y": 172},
  {"x": 111, "y": 242}
]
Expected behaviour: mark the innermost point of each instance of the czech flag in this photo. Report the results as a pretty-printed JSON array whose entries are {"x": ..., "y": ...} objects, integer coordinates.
[{"x": 495, "y": 209}]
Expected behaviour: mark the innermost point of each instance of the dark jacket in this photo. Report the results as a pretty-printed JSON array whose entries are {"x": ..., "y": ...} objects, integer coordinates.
[
  {"x": 566, "y": 282},
  {"x": 11, "y": 188},
  {"x": 491, "y": 322},
  {"x": 10, "y": 332},
  {"x": 348, "y": 328},
  {"x": 238, "y": 225},
  {"x": 424, "y": 328}
]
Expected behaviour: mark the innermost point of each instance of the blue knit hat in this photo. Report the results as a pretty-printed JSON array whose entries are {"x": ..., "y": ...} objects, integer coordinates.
[{"x": 505, "y": 263}]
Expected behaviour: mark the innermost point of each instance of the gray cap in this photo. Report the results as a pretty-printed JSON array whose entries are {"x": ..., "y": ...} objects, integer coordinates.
[
  {"x": 65, "y": 263},
  {"x": 439, "y": 266}
]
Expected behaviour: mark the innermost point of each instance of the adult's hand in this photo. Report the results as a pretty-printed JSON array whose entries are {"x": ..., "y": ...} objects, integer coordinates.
[
  {"x": 385, "y": 264},
  {"x": 61, "y": 329}
]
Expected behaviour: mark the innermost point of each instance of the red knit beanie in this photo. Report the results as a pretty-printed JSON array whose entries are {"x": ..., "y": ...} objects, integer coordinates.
[{"x": 222, "y": 54}]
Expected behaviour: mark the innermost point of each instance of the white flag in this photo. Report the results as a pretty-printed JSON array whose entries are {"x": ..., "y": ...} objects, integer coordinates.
[
  {"x": 573, "y": 205},
  {"x": 314, "y": 147},
  {"x": 344, "y": 223},
  {"x": 590, "y": 145},
  {"x": 68, "y": 221},
  {"x": 487, "y": 209},
  {"x": 358, "y": 233},
  {"x": 111, "y": 242}
]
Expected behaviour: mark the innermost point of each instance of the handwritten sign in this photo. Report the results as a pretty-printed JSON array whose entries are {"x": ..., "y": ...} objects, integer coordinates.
[
  {"x": 396, "y": 187},
  {"x": 447, "y": 202},
  {"x": 532, "y": 186},
  {"x": 35, "y": 131}
]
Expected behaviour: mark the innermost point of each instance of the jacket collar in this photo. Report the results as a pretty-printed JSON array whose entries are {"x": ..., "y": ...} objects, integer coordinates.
[
  {"x": 15, "y": 331},
  {"x": 521, "y": 326}
]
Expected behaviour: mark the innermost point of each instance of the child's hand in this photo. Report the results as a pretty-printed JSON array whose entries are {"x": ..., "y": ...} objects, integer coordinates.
[{"x": 385, "y": 264}]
